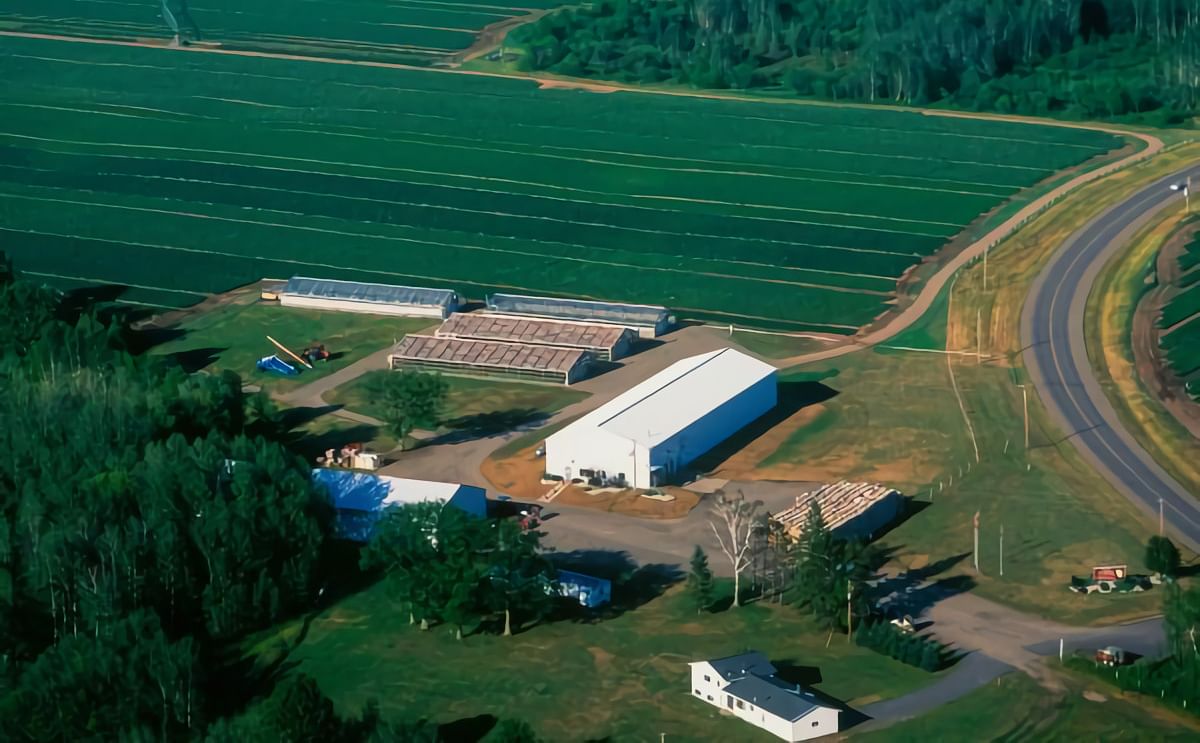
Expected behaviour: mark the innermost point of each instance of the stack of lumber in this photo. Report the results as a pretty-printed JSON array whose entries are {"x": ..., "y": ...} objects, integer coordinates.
[{"x": 841, "y": 503}]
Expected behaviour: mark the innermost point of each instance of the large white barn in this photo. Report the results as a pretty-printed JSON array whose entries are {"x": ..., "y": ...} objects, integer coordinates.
[{"x": 656, "y": 428}]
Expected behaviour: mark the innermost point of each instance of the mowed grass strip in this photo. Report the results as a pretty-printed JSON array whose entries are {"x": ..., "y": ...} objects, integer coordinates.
[{"x": 802, "y": 220}]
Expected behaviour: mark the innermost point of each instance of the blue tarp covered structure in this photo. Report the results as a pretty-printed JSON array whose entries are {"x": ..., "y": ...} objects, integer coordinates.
[{"x": 276, "y": 365}]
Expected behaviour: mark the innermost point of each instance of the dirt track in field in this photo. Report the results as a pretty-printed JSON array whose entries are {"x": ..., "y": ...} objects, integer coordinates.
[{"x": 890, "y": 324}]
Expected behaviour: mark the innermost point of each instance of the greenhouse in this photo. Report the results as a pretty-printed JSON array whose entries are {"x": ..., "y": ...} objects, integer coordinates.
[
  {"x": 490, "y": 359},
  {"x": 606, "y": 342},
  {"x": 648, "y": 321},
  {"x": 357, "y": 296}
]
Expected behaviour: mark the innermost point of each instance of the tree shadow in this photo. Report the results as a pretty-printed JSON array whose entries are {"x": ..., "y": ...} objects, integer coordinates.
[
  {"x": 193, "y": 360},
  {"x": 632, "y": 585},
  {"x": 793, "y": 396},
  {"x": 468, "y": 729},
  {"x": 910, "y": 592},
  {"x": 481, "y": 425},
  {"x": 310, "y": 446}
]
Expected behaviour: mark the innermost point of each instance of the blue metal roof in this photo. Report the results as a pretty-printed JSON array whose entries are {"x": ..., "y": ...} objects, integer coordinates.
[
  {"x": 357, "y": 291},
  {"x": 579, "y": 309}
]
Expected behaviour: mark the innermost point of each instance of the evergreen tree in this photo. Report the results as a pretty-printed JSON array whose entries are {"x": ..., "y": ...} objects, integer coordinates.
[
  {"x": 931, "y": 656},
  {"x": 1162, "y": 556},
  {"x": 511, "y": 731},
  {"x": 700, "y": 581}
]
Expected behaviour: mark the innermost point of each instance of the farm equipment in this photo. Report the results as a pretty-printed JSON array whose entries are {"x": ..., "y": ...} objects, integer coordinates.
[
  {"x": 276, "y": 365},
  {"x": 1111, "y": 656},
  {"x": 315, "y": 352},
  {"x": 289, "y": 352},
  {"x": 353, "y": 456}
]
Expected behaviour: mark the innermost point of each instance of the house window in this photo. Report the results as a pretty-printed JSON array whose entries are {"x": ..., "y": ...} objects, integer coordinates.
[
  {"x": 816, "y": 724},
  {"x": 707, "y": 679},
  {"x": 729, "y": 701},
  {"x": 696, "y": 692},
  {"x": 740, "y": 704},
  {"x": 709, "y": 697}
]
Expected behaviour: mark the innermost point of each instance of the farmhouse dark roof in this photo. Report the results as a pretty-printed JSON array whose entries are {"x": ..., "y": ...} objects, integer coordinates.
[
  {"x": 768, "y": 693},
  {"x": 738, "y": 666}
]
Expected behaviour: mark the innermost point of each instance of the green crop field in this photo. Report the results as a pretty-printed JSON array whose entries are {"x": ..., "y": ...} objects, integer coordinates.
[
  {"x": 1181, "y": 345},
  {"x": 178, "y": 173},
  {"x": 421, "y": 32}
]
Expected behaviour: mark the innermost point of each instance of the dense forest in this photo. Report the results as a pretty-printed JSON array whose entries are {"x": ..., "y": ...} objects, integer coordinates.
[
  {"x": 149, "y": 521},
  {"x": 1134, "y": 59}
]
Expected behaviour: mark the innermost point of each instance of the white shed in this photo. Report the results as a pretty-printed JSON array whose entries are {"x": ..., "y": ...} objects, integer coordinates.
[
  {"x": 746, "y": 687},
  {"x": 657, "y": 427},
  {"x": 359, "y": 497}
]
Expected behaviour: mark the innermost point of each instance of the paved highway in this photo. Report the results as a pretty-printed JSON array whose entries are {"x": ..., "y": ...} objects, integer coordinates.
[{"x": 1052, "y": 332}]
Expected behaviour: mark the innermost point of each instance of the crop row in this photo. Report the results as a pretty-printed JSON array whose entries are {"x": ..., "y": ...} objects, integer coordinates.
[
  {"x": 224, "y": 247},
  {"x": 1182, "y": 348},
  {"x": 1182, "y": 306},
  {"x": 234, "y": 168},
  {"x": 869, "y": 142},
  {"x": 394, "y": 31}
]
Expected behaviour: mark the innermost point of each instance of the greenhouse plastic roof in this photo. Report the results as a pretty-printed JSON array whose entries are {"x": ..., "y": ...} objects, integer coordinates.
[
  {"x": 578, "y": 309},
  {"x": 357, "y": 291}
]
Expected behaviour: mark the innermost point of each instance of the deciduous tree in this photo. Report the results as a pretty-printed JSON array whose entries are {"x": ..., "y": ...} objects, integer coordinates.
[{"x": 734, "y": 529}]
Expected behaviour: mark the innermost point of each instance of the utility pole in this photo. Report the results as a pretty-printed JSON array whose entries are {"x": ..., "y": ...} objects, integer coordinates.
[
  {"x": 1025, "y": 405},
  {"x": 986, "y": 250},
  {"x": 976, "y": 548},
  {"x": 1002, "y": 550},
  {"x": 978, "y": 336},
  {"x": 848, "y": 605}
]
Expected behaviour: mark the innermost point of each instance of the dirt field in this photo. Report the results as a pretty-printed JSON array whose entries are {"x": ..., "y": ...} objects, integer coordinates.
[{"x": 520, "y": 476}]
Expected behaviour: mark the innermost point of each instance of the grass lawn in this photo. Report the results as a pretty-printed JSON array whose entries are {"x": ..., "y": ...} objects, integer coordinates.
[
  {"x": 775, "y": 346},
  {"x": 624, "y": 678},
  {"x": 896, "y": 419},
  {"x": 233, "y": 336},
  {"x": 473, "y": 403},
  {"x": 1015, "y": 707}
]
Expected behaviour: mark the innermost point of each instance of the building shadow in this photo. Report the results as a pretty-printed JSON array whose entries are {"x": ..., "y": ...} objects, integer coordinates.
[
  {"x": 633, "y": 585},
  {"x": 793, "y": 396}
]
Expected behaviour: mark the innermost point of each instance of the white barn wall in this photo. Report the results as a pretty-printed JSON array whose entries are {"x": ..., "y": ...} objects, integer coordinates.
[
  {"x": 590, "y": 449},
  {"x": 719, "y": 424},
  {"x": 710, "y": 690},
  {"x": 372, "y": 308},
  {"x": 821, "y": 721}
]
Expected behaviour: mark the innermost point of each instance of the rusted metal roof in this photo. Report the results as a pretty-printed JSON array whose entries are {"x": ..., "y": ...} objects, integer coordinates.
[
  {"x": 488, "y": 353},
  {"x": 510, "y": 328}
]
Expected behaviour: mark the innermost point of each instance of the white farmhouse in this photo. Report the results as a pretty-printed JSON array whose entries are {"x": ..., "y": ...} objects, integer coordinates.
[
  {"x": 746, "y": 686},
  {"x": 655, "y": 428}
]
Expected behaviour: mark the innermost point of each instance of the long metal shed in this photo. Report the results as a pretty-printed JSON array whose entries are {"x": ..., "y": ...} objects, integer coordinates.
[
  {"x": 648, "y": 321},
  {"x": 491, "y": 359},
  {"x": 650, "y": 432},
  {"x": 358, "y": 296},
  {"x": 607, "y": 342}
]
